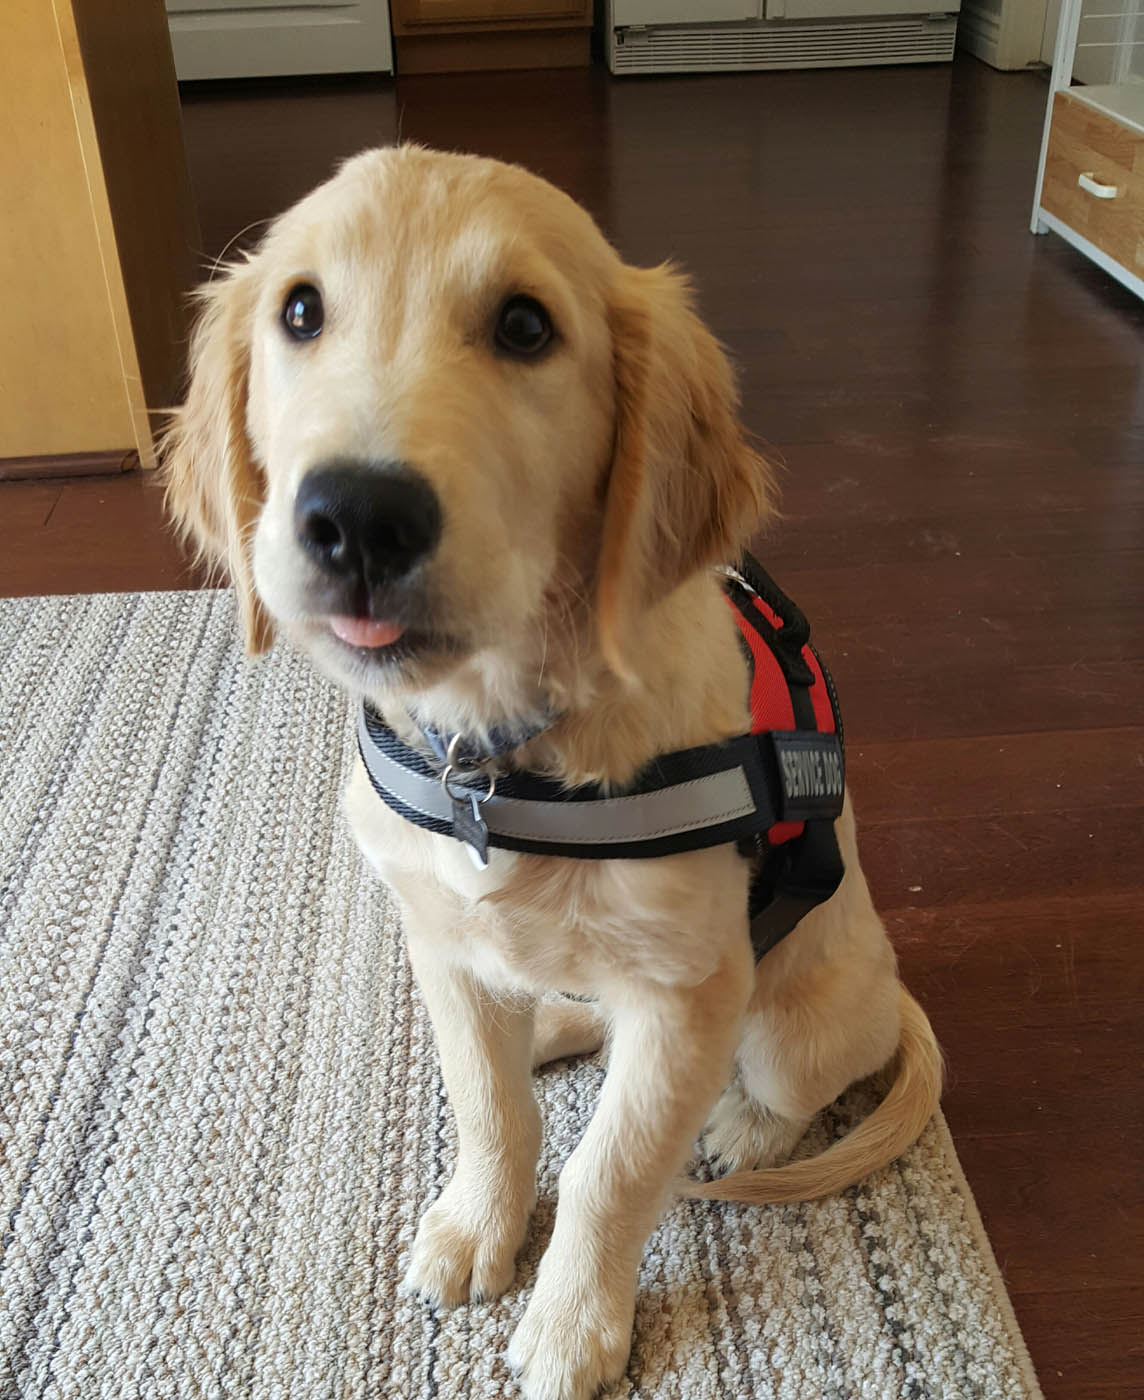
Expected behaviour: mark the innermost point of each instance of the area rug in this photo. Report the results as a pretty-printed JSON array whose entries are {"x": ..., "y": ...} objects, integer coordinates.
[{"x": 220, "y": 1109}]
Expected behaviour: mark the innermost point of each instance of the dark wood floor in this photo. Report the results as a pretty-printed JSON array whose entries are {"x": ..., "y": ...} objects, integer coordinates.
[{"x": 961, "y": 410}]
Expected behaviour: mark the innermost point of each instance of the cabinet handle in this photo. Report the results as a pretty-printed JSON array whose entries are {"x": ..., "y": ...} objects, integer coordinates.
[{"x": 1088, "y": 181}]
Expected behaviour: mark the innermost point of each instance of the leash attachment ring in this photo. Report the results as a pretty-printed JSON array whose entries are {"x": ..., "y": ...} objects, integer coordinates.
[{"x": 469, "y": 826}]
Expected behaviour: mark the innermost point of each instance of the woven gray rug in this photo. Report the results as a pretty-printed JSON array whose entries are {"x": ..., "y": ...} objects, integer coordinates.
[{"x": 220, "y": 1109}]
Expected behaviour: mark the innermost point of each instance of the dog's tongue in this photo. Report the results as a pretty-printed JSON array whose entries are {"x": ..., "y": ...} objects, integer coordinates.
[{"x": 363, "y": 632}]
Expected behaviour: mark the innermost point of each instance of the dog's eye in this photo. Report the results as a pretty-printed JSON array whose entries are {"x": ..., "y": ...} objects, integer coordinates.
[
  {"x": 523, "y": 327},
  {"x": 302, "y": 314}
]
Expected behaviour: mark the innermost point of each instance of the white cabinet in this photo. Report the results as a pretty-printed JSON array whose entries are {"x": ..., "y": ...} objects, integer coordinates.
[
  {"x": 1006, "y": 34},
  {"x": 262, "y": 38},
  {"x": 683, "y": 11},
  {"x": 847, "y": 9}
]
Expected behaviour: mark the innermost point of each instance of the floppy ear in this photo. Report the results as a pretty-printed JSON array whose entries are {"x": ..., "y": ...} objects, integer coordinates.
[
  {"x": 214, "y": 487},
  {"x": 685, "y": 490}
]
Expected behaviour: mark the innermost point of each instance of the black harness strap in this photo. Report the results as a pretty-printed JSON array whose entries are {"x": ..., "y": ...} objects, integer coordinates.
[
  {"x": 792, "y": 880},
  {"x": 795, "y": 877}
]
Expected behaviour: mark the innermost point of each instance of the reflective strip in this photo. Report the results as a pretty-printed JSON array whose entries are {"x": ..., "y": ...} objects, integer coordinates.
[{"x": 690, "y": 806}]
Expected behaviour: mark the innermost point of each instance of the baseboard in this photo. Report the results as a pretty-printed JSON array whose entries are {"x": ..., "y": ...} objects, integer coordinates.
[{"x": 68, "y": 464}]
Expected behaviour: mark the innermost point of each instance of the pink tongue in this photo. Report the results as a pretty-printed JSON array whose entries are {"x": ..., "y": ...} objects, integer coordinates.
[{"x": 362, "y": 632}]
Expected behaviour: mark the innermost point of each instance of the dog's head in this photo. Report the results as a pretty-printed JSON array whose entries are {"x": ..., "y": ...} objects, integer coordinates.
[{"x": 434, "y": 410}]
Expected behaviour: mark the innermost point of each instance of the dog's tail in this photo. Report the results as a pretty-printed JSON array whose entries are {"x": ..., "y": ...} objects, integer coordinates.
[{"x": 895, "y": 1125}]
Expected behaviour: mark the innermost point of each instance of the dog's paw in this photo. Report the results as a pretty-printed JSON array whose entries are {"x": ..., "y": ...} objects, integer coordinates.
[
  {"x": 572, "y": 1339},
  {"x": 465, "y": 1249},
  {"x": 741, "y": 1135}
]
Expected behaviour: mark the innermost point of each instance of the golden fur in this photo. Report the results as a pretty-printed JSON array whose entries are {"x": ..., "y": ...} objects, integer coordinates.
[{"x": 585, "y": 496}]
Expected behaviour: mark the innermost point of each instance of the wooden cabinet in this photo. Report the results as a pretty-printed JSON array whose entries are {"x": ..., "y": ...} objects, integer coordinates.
[
  {"x": 435, "y": 36},
  {"x": 419, "y": 12},
  {"x": 1090, "y": 184},
  {"x": 1094, "y": 178}
]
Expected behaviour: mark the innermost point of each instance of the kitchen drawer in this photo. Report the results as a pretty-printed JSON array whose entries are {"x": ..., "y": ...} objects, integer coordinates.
[{"x": 1089, "y": 146}]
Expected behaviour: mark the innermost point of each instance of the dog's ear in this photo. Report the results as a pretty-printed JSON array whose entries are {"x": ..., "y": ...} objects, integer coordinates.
[
  {"x": 214, "y": 486},
  {"x": 686, "y": 490}
]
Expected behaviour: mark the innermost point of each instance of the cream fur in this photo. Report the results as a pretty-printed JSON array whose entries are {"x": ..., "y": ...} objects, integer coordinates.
[{"x": 585, "y": 496}]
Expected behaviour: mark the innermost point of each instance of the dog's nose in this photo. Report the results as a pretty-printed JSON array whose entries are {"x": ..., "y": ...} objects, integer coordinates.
[{"x": 369, "y": 521}]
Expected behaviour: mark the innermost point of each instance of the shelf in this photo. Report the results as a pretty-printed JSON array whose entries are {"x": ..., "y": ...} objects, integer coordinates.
[{"x": 1124, "y": 101}]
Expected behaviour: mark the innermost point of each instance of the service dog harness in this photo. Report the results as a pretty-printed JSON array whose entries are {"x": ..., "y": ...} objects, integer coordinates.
[{"x": 775, "y": 792}]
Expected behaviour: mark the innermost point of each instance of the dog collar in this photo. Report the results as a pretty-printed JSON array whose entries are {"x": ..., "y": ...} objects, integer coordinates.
[
  {"x": 775, "y": 791},
  {"x": 465, "y": 752}
]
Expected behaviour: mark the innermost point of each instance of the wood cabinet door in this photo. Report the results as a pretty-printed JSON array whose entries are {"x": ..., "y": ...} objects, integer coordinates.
[{"x": 417, "y": 12}]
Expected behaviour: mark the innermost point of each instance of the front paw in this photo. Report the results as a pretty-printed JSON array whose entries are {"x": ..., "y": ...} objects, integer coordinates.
[
  {"x": 575, "y": 1335},
  {"x": 465, "y": 1248}
]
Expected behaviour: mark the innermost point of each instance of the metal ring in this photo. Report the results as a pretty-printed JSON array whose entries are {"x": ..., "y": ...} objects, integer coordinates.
[
  {"x": 451, "y": 751},
  {"x": 454, "y": 760},
  {"x": 451, "y": 768}
]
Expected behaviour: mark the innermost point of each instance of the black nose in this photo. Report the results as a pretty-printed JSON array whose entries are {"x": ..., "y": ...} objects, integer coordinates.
[{"x": 366, "y": 522}]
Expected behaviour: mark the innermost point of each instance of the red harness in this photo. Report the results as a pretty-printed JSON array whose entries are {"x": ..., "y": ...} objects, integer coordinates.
[{"x": 792, "y": 700}]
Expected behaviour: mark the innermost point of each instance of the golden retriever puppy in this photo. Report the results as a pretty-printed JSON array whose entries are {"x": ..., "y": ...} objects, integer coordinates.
[{"x": 443, "y": 439}]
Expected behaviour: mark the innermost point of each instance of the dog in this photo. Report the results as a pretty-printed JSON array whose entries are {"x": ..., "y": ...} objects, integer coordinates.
[{"x": 482, "y": 473}]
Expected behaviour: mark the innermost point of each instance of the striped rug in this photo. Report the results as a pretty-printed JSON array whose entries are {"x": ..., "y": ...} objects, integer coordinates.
[{"x": 220, "y": 1109}]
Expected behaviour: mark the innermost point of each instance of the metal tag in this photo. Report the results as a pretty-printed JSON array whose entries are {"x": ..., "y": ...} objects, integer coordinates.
[{"x": 469, "y": 827}]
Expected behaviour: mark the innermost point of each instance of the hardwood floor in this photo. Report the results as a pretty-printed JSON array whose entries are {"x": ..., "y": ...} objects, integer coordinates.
[{"x": 960, "y": 407}]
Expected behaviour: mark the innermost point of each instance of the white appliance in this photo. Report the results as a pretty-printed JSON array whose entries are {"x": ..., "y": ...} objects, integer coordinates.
[{"x": 696, "y": 36}]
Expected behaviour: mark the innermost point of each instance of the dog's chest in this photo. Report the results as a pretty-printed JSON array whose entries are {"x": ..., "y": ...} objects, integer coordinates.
[{"x": 546, "y": 923}]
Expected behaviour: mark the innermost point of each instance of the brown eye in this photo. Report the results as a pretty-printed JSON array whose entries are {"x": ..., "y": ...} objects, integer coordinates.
[
  {"x": 524, "y": 327},
  {"x": 302, "y": 314}
]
